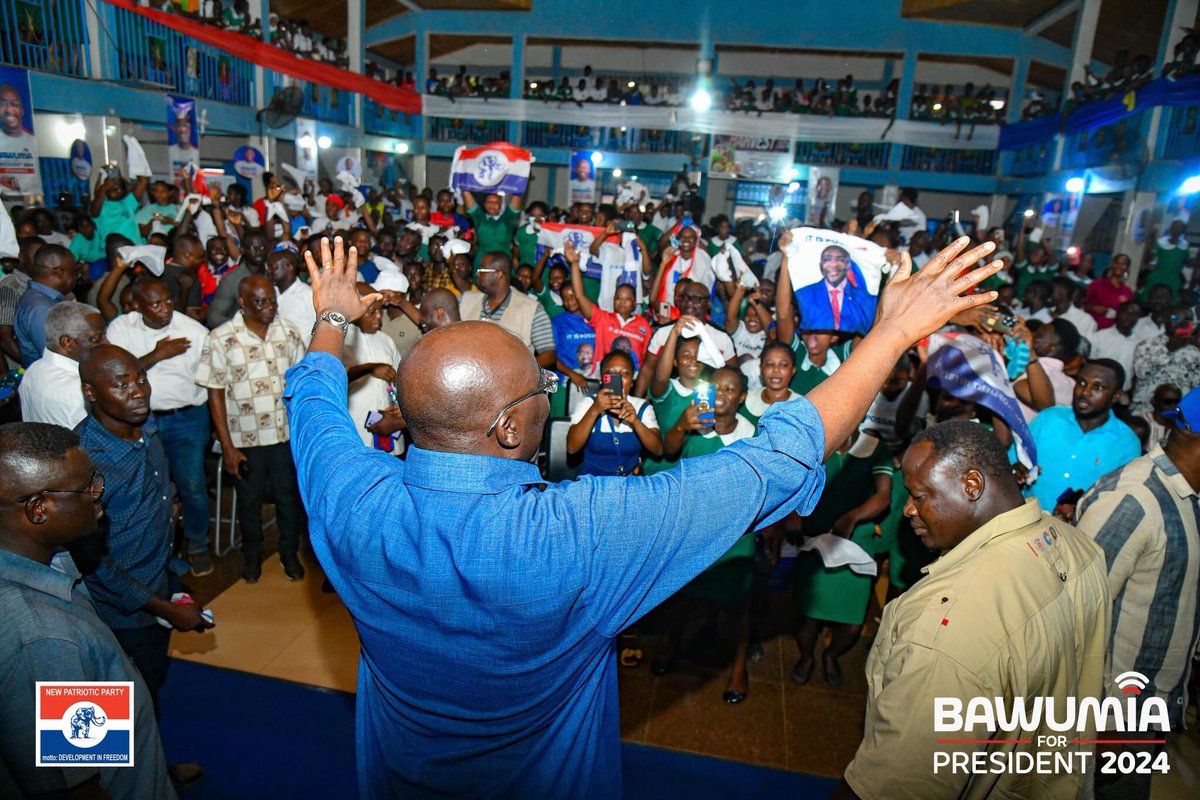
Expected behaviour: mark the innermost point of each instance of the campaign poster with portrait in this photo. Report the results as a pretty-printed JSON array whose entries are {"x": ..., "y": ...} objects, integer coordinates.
[
  {"x": 249, "y": 162},
  {"x": 835, "y": 278},
  {"x": 822, "y": 196},
  {"x": 20, "y": 174},
  {"x": 306, "y": 147},
  {"x": 81, "y": 160},
  {"x": 583, "y": 177},
  {"x": 183, "y": 136},
  {"x": 349, "y": 164},
  {"x": 761, "y": 158}
]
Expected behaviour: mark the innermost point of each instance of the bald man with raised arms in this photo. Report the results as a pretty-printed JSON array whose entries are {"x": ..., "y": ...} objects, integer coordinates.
[{"x": 486, "y": 599}]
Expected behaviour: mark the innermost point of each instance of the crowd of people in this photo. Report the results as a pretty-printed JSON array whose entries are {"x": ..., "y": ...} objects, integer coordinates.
[{"x": 671, "y": 338}]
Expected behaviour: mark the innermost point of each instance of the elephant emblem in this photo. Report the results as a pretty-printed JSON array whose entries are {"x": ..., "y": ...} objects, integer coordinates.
[
  {"x": 489, "y": 169},
  {"x": 83, "y": 720}
]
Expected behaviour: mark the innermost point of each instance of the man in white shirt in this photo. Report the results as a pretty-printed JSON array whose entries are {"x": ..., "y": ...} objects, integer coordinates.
[
  {"x": 908, "y": 216},
  {"x": 294, "y": 295},
  {"x": 168, "y": 346},
  {"x": 51, "y": 390},
  {"x": 1119, "y": 341},
  {"x": 1063, "y": 289}
]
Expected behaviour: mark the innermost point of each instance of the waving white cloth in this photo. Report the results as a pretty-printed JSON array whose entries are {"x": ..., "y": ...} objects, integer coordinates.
[
  {"x": 153, "y": 256},
  {"x": 453, "y": 247},
  {"x": 838, "y": 552},
  {"x": 708, "y": 353},
  {"x": 275, "y": 209},
  {"x": 729, "y": 264},
  {"x": 297, "y": 175},
  {"x": 137, "y": 165}
]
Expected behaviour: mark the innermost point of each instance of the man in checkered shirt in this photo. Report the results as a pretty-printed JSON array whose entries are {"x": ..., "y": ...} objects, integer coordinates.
[{"x": 242, "y": 366}]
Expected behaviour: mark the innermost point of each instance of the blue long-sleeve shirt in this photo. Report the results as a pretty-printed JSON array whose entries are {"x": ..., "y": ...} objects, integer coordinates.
[
  {"x": 29, "y": 320},
  {"x": 136, "y": 525},
  {"x": 487, "y": 601}
]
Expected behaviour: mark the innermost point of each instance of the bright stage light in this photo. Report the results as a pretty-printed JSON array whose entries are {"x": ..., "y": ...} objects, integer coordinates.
[
  {"x": 701, "y": 100},
  {"x": 1075, "y": 185},
  {"x": 324, "y": 142}
]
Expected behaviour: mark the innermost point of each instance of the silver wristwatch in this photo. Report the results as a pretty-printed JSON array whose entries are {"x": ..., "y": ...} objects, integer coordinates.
[{"x": 335, "y": 319}]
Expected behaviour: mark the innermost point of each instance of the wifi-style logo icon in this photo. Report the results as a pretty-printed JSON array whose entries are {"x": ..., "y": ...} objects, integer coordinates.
[{"x": 1132, "y": 682}]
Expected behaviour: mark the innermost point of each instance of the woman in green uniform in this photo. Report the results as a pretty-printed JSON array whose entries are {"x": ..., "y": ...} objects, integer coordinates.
[
  {"x": 671, "y": 396},
  {"x": 858, "y": 490},
  {"x": 777, "y": 367},
  {"x": 726, "y": 584}
]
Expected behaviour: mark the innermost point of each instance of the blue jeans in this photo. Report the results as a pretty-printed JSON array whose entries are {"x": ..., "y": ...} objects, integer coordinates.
[{"x": 185, "y": 438}]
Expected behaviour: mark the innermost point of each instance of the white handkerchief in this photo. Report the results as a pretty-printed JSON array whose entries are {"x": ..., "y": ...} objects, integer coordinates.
[
  {"x": 453, "y": 247},
  {"x": 152, "y": 255},
  {"x": 708, "y": 352},
  {"x": 838, "y": 552},
  {"x": 276, "y": 209},
  {"x": 297, "y": 175},
  {"x": 137, "y": 165}
]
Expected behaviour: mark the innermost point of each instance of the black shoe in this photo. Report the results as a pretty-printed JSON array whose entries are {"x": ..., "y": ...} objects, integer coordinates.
[
  {"x": 293, "y": 569},
  {"x": 252, "y": 569},
  {"x": 184, "y": 775},
  {"x": 733, "y": 697},
  {"x": 833, "y": 673},
  {"x": 799, "y": 674}
]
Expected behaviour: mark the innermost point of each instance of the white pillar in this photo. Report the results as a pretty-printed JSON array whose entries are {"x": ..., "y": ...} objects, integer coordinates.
[{"x": 1085, "y": 36}]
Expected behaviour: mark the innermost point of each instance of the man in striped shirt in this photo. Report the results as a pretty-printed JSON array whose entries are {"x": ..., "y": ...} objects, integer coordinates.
[{"x": 1145, "y": 517}]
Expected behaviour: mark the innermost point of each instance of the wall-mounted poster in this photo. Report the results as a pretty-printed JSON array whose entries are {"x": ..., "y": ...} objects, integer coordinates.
[
  {"x": 822, "y": 195},
  {"x": 183, "y": 137},
  {"x": 19, "y": 171},
  {"x": 306, "y": 147},
  {"x": 583, "y": 176},
  {"x": 754, "y": 157},
  {"x": 249, "y": 162},
  {"x": 81, "y": 160}
]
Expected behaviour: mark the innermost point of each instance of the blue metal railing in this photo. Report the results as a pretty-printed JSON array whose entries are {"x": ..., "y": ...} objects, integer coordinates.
[
  {"x": 1182, "y": 133},
  {"x": 477, "y": 131},
  {"x": 153, "y": 53},
  {"x": 1033, "y": 160},
  {"x": 872, "y": 155},
  {"x": 961, "y": 162},
  {"x": 48, "y": 35},
  {"x": 58, "y": 178},
  {"x": 553, "y": 135},
  {"x": 614, "y": 139},
  {"x": 384, "y": 121}
]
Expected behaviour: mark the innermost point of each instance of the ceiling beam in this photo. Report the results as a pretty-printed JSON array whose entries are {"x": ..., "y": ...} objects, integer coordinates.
[{"x": 1052, "y": 16}]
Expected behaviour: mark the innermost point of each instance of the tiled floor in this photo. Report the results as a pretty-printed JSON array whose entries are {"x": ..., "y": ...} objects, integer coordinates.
[{"x": 296, "y": 632}]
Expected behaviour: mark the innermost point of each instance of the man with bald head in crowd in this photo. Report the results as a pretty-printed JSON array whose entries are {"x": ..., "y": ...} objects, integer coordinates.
[
  {"x": 439, "y": 308},
  {"x": 180, "y": 274},
  {"x": 55, "y": 272},
  {"x": 52, "y": 498},
  {"x": 242, "y": 366},
  {"x": 50, "y": 389},
  {"x": 168, "y": 344},
  {"x": 487, "y": 601}
]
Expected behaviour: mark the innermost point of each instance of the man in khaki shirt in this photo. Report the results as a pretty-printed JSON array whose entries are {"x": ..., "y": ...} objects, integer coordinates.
[{"x": 1017, "y": 606}]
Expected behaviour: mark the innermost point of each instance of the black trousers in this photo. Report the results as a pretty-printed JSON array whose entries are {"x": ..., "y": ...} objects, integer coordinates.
[
  {"x": 147, "y": 648},
  {"x": 269, "y": 467}
]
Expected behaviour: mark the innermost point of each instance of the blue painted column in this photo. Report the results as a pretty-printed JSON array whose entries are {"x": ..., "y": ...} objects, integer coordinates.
[
  {"x": 1012, "y": 112},
  {"x": 903, "y": 104},
  {"x": 516, "y": 85},
  {"x": 555, "y": 63}
]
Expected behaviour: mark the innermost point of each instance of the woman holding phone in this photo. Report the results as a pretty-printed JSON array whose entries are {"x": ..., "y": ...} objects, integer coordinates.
[{"x": 613, "y": 429}]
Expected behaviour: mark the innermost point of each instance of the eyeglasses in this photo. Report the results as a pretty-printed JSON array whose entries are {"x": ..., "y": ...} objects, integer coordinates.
[
  {"x": 95, "y": 487},
  {"x": 548, "y": 385}
]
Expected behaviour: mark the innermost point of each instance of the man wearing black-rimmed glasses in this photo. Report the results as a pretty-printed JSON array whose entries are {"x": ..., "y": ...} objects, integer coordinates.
[{"x": 50, "y": 497}]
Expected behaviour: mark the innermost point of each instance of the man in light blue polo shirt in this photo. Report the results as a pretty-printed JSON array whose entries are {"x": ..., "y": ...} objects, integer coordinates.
[{"x": 1079, "y": 444}]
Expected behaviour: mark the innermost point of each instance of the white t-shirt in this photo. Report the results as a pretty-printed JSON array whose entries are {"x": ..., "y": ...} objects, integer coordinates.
[
  {"x": 172, "y": 380},
  {"x": 1111, "y": 343},
  {"x": 369, "y": 393},
  {"x": 757, "y": 406},
  {"x": 608, "y": 422},
  {"x": 743, "y": 430},
  {"x": 51, "y": 392},
  {"x": 746, "y": 343},
  {"x": 881, "y": 416},
  {"x": 296, "y": 306}
]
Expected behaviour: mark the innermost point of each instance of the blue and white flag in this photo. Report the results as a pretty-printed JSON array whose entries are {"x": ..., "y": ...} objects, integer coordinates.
[
  {"x": 968, "y": 368},
  {"x": 500, "y": 168}
]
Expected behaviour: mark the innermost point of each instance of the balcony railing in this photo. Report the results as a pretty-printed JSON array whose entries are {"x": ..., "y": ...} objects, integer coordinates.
[
  {"x": 48, "y": 35},
  {"x": 1183, "y": 133},
  {"x": 472, "y": 131},
  {"x": 384, "y": 121},
  {"x": 153, "y": 53},
  {"x": 961, "y": 162},
  {"x": 1033, "y": 160},
  {"x": 872, "y": 155},
  {"x": 614, "y": 139}
]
